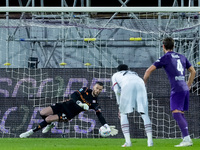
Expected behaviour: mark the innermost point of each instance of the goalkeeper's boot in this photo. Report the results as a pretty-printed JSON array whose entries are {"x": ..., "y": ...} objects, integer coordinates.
[
  {"x": 48, "y": 127},
  {"x": 186, "y": 142},
  {"x": 127, "y": 144},
  {"x": 26, "y": 134}
]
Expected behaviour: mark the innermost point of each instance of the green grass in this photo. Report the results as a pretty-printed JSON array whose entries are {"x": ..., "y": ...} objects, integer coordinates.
[{"x": 90, "y": 144}]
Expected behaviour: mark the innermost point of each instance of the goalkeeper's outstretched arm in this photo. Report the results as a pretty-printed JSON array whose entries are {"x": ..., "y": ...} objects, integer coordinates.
[
  {"x": 111, "y": 129},
  {"x": 101, "y": 118}
]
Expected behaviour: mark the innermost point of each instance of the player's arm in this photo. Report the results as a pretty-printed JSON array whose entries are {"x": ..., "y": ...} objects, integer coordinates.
[
  {"x": 116, "y": 89},
  {"x": 191, "y": 76},
  {"x": 76, "y": 96},
  {"x": 102, "y": 120},
  {"x": 148, "y": 73},
  {"x": 97, "y": 109}
]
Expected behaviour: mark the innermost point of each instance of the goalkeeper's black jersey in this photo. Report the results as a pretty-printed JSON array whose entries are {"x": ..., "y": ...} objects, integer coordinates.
[{"x": 85, "y": 96}]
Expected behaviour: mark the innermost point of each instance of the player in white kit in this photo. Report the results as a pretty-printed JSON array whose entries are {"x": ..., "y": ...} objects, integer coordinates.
[{"x": 131, "y": 95}]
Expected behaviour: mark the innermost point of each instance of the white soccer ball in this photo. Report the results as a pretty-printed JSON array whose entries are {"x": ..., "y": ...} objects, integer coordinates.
[{"x": 104, "y": 132}]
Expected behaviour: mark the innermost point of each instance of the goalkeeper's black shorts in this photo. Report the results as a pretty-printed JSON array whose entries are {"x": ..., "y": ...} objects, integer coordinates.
[{"x": 69, "y": 108}]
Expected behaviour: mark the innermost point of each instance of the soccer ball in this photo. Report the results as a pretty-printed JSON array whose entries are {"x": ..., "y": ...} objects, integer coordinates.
[{"x": 104, "y": 132}]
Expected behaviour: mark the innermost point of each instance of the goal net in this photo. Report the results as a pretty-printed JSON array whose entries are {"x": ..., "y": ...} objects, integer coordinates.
[{"x": 48, "y": 53}]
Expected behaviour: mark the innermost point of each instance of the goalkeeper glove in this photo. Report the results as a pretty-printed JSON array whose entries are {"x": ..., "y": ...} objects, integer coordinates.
[
  {"x": 111, "y": 129},
  {"x": 82, "y": 105}
]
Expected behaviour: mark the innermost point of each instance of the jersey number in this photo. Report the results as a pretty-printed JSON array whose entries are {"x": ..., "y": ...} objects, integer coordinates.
[{"x": 180, "y": 66}]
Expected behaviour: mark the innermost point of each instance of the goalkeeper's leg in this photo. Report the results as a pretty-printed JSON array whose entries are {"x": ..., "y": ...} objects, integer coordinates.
[
  {"x": 30, "y": 132},
  {"x": 148, "y": 128},
  {"x": 48, "y": 112},
  {"x": 50, "y": 118},
  {"x": 125, "y": 129}
]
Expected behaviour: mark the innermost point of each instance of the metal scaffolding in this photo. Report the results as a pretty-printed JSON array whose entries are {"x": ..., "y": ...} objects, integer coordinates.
[{"x": 63, "y": 38}]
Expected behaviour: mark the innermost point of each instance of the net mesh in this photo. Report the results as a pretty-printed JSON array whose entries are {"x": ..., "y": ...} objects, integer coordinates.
[{"x": 32, "y": 42}]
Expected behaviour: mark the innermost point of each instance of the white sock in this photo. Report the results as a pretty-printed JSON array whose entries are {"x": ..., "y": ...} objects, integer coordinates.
[
  {"x": 125, "y": 127},
  {"x": 148, "y": 127}
]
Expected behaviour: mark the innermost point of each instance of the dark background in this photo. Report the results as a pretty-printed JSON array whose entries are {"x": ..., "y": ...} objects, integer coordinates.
[
  {"x": 17, "y": 111},
  {"x": 102, "y": 2}
]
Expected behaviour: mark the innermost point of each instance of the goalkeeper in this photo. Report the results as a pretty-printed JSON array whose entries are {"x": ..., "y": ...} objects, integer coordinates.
[{"x": 81, "y": 100}]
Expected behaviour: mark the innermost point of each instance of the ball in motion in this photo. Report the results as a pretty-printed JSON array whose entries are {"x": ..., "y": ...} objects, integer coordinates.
[{"x": 104, "y": 132}]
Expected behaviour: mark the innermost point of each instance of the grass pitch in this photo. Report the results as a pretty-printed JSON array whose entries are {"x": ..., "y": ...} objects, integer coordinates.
[{"x": 90, "y": 144}]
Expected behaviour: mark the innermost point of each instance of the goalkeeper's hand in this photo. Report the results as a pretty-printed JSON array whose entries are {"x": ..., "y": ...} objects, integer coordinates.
[
  {"x": 83, "y": 105},
  {"x": 111, "y": 129}
]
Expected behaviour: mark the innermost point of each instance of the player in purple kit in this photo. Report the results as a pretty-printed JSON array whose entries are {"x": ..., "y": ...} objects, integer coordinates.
[{"x": 175, "y": 65}]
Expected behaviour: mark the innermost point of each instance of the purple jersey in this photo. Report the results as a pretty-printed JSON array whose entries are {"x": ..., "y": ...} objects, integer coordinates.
[{"x": 174, "y": 65}]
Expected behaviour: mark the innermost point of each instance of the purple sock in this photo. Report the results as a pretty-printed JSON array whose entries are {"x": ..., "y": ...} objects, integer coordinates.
[{"x": 180, "y": 119}]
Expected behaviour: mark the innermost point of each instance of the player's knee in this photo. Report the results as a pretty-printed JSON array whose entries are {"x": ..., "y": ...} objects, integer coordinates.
[
  {"x": 145, "y": 118},
  {"x": 177, "y": 111},
  {"x": 48, "y": 120},
  {"x": 123, "y": 117},
  {"x": 43, "y": 117},
  {"x": 177, "y": 114},
  {"x": 42, "y": 114}
]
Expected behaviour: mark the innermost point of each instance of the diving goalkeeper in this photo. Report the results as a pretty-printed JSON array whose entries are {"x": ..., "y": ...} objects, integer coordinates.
[{"x": 81, "y": 100}]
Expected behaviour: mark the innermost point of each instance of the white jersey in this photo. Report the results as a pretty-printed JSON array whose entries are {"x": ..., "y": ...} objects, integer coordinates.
[{"x": 130, "y": 92}]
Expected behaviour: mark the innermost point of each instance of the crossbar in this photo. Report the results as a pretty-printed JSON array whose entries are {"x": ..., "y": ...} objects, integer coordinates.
[{"x": 100, "y": 9}]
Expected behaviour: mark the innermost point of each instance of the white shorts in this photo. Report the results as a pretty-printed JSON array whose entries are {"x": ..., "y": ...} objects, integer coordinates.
[{"x": 133, "y": 97}]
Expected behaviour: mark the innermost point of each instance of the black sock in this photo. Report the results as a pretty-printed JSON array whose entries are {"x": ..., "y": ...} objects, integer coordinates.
[{"x": 40, "y": 126}]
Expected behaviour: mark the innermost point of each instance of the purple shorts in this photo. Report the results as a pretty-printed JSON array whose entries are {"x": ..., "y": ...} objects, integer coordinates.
[{"x": 179, "y": 100}]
